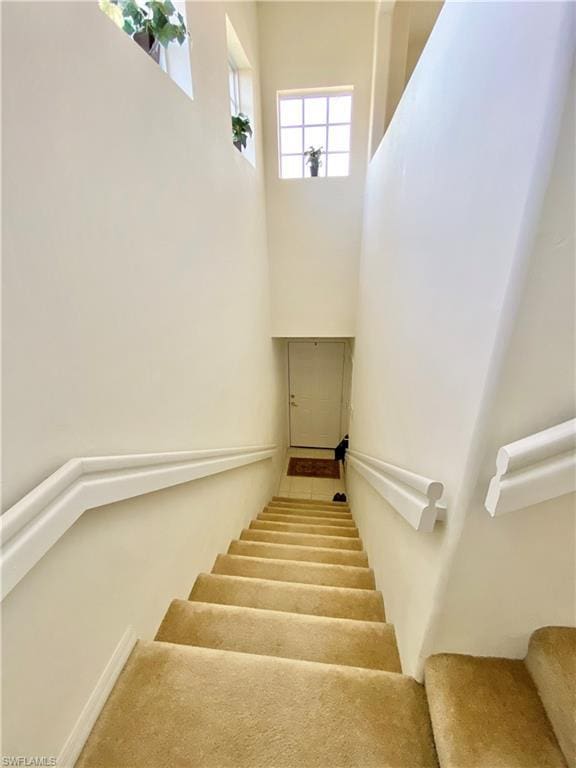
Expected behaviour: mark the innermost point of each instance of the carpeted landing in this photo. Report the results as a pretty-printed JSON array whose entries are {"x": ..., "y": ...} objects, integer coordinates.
[{"x": 282, "y": 658}]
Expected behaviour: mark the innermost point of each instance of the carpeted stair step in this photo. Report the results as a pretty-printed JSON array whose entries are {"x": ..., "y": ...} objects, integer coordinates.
[
  {"x": 322, "y": 530},
  {"x": 335, "y": 602},
  {"x": 176, "y": 705},
  {"x": 310, "y": 502},
  {"x": 302, "y": 512},
  {"x": 551, "y": 660},
  {"x": 302, "y": 539},
  {"x": 486, "y": 713},
  {"x": 365, "y": 644},
  {"x": 303, "y": 519},
  {"x": 293, "y": 552},
  {"x": 295, "y": 571},
  {"x": 341, "y": 509}
]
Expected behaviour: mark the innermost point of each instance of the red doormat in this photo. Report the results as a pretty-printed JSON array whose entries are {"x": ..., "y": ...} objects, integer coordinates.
[{"x": 327, "y": 468}]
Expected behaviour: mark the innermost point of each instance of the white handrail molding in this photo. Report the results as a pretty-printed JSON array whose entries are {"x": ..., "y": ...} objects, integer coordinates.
[
  {"x": 536, "y": 468},
  {"x": 36, "y": 522},
  {"x": 415, "y": 497}
]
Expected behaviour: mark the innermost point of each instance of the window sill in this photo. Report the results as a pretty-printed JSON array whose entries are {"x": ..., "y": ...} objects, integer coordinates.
[
  {"x": 251, "y": 162},
  {"x": 317, "y": 178}
]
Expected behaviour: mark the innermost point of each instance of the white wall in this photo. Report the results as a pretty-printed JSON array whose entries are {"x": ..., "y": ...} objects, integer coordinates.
[
  {"x": 119, "y": 566},
  {"x": 136, "y": 307},
  {"x": 453, "y": 196},
  {"x": 314, "y": 225},
  {"x": 136, "y": 318},
  {"x": 402, "y": 29},
  {"x": 347, "y": 387},
  {"x": 514, "y": 573}
]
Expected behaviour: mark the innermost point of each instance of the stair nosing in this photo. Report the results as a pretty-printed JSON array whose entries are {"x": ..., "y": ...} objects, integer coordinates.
[
  {"x": 300, "y": 546},
  {"x": 356, "y": 590},
  {"x": 305, "y": 563},
  {"x": 266, "y": 519},
  {"x": 308, "y": 505},
  {"x": 326, "y": 535},
  {"x": 310, "y": 501},
  {"x": 297, "y": 513},
  {"x": 290, "y": 533},
  {"x": 304, "y": 525},
  {"x": 317, "y": 520},
  {"x": 319, "y": 665},
  {"x": 297, "y": 616},
  {"x": 295, "y": 562},
  {"x": 342, "y": 515},
  {"x": 333, "y": 623}
]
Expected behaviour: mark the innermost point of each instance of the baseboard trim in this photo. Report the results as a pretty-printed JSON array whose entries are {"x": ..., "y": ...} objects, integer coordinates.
[{"x": 75, "y": 742}]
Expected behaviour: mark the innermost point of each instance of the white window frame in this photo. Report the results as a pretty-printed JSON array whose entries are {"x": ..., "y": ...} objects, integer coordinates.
[
  {"x": 325, "y": 157},
  {"x": 234, "y": 88}
]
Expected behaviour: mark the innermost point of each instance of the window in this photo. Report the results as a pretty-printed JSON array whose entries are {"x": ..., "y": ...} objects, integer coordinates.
[
  {"x": 317, "y": 119},
  {"x": 141, "y": 20},
  {"x": 240, "y": 88},
  {"x": 234, "y": 87}
]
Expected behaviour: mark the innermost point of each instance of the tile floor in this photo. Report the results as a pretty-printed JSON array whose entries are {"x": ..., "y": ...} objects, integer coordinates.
[{"x": 310, "y": 487}]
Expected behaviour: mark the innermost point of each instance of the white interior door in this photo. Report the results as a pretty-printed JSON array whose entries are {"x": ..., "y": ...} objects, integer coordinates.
[{"x": 316, "y": 370}]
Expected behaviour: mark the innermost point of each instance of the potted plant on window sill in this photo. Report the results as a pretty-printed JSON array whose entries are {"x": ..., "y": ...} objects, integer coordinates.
[
  {"x": 313, "y": 159},
  {"x": 150, "y": 24},
  {"x": 241, "y": 129}
]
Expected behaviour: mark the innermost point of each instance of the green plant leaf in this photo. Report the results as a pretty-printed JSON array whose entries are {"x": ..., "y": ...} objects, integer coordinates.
[
  {"x": 113, "y": 11},
  {"x": 166, "y": 34},
  {"x": 128, "y": 28},
  {"x": 134, "y": 13}
]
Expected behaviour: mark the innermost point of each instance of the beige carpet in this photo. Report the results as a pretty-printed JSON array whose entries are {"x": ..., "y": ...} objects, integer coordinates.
[
  {"x": 282, "y": 658},
  {"x": 486, "y": 713},
  {"x": 313, "y": 554},
  {"x": 366, "y": 644},
  {"x": 305, "y": 539},
  {"x": 282, "y": 516},
  {"x": 336, "y": 602},
  {"x": 313, "y": 511},
  {"x": 184, "y": 707},
  {"x": 551, "y": 661},
  {"x": 278, "y": 500},
  {"x": 321, "y": 529},
  {"x": 296, "y": 571}
]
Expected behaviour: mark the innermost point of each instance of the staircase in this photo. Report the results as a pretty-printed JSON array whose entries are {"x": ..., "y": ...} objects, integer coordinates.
[{"x": 282, "y": 658}]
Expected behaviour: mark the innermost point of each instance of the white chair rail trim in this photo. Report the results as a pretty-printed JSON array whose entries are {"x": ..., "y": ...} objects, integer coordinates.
[
  {"x": 36, "y": 522},
  {"x": 534, "y": 469},
  {"x": 413, "y": 496}
]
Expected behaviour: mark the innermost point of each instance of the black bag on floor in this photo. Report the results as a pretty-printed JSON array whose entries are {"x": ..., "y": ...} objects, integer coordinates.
[{"x": 340, "y": 450}]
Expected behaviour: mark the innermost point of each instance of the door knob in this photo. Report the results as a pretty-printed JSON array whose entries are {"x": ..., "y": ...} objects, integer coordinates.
[{"x": 294, "y": 405}]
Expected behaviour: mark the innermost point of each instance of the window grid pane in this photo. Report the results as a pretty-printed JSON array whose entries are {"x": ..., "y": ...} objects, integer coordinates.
[
  {"x": 291, "y": 139},
  {"x": 338, "y": 164},
  {"x": 318, "y": 120},
  {"x": 315, "y": 110},
  {"x": 291, "y": 166}
]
